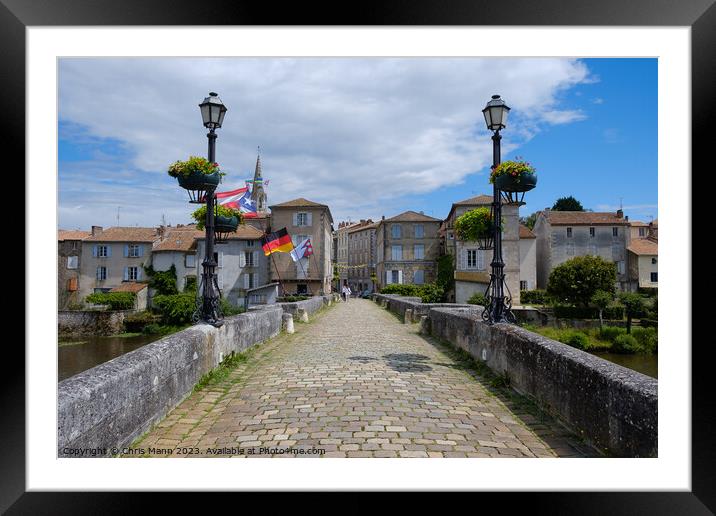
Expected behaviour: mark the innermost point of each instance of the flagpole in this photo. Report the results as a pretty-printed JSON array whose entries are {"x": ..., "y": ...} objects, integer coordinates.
[
  {"x": 308, "y": 281},
  {"x": 280, "y": 281}
]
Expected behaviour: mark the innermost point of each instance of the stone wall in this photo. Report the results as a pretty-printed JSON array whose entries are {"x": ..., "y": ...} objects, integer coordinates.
[
  {"x": 90, "y": 322},
  {"x": 311, "y": 305},
  {"x": 613, "y": 407},
  {"x": 112, "y": 404}
]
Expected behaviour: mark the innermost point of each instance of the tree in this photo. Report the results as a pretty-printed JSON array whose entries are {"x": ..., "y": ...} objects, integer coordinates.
[
  {"x": 446, "y": 273},
  {"x": 567, "y": 204},
  {"x": 163, "y": 282},
  {"x": 529, "y": 221},
  {"x": 602, "y": 300},
  {"x": 577, "y": 280},
  {"x": 633, "y": 306}
]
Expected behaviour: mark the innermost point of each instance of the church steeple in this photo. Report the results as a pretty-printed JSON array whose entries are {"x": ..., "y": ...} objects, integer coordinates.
[{"x": 257, "y": 193}]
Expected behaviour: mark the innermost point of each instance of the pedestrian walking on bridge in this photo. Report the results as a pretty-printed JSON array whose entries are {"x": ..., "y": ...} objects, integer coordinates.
[{"x": 346, "y": 292}]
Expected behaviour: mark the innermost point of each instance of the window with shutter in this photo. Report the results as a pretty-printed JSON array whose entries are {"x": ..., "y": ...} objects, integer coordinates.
[
  {"x": 388, "y": 277},
  {"x": 400, "y": 277}
]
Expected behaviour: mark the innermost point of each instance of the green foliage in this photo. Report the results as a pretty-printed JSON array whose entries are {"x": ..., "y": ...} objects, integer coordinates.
[
  {"x": 190, "y": 285},
  {"x": 578, "y": 340},
  {"x": 175, "y": 309},
  {"x": 577, "y": 280},
  {"x": 75, "y": 306},
  {"x": 193, "y": 164},
  {"x": 477, "y": 298},
  {"x": 400, "y": 289},
  {"x": 474, "y": 224},
  {"x": 587, "y": 312},
  {"x": 446, "y": 272},
  {"x": 199, "y": 215},
  {"x": 529, "y": 221},
  {"x": 431, "y": 293},
  {"x": 512, "y": 168},
  {"x": 151, "y": 329},
  {"x": 602, "y": 299},
  {"x": 291, "y": 299},
  {"x": 567, "y": 204},
  {"x": 228, "y": 309},
  {"x": 221, "y": 372},
  {"x": 115, "y": 300},
  {"x": 633, "y": 306},
  {"x": 610, "y": 333},
  {"x": 537, "y": 297},
  {"x": 164, "y": 282},
  {"x": 648, "y": 339},
  {"x": 625, "y": 344}
]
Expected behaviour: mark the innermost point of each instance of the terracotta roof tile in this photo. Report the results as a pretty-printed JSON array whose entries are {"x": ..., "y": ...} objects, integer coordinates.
[
  {"x": 644, "y": 246},
  {"x": 243, "y": 232},
  {"x": 412, "y": 216},
  {"x": 584, "y": 218},
  {"x": 178, "y": 239},
  {"x": 299, "y": 203},
  {"x": 64, "y": 234},
  {"x": 525, "y": 232},
  {"x": 129, "y": 286},
  {"x": 362, "y": 227},
  {"x": 125, "y": 234}
]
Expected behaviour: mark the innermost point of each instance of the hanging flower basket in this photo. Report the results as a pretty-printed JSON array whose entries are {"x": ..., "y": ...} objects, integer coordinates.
[
  {"x": 476, "y": 226},
  {"x": 197, "y": 176},
  {"x": 513, "y": 179},
  {"x": 226, "y": 221}
]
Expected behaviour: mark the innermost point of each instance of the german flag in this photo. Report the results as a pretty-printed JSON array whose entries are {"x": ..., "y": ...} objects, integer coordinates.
[{"x": 277, "y": 242}]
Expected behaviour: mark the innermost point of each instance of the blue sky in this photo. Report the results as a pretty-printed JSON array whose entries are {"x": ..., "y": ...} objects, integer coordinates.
[{"x": 368, "y": 137}]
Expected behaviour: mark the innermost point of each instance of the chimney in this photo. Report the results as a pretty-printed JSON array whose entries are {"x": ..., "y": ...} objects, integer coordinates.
[
  {"x": 382, "y": 217},
  {"x": 96, "y": 230},
  {"x": 620, "y": 214},
  {"x": 362, "y": 221},
  {"x": 626, "y": 218}
]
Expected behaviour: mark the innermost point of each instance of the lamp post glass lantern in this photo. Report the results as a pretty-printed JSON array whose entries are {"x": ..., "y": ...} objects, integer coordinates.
[
  {"x": 208, "y": 306},
  {"x": 498, "y": 308}
]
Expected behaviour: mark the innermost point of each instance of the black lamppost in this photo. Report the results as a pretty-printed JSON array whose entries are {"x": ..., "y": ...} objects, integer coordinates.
[
  {"x": 212, "y": 114},
  {"x": 498, "y": 306}
]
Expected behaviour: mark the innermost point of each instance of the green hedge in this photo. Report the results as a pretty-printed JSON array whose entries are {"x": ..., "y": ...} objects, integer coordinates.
[
  {"x": 176, "y": 309},
  {"x": 115, "y": 300},
  {"x": 537, "y": 296},
  {"x": 579, "y": 312},
  {"x": 477, "y": 299},
  {"x": 428, "y": 293},
  {"x": 400, "y": 289}
]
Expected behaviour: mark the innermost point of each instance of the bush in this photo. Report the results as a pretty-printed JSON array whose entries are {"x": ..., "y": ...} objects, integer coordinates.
[
  {"x": 648, "y": 291},
  {"x": 649, "y": 323},
  {"x": 610, "y": 333},
  {"x": 576, "y": 281},
  {"x": 576, "y": 339},
  {"x": 75, "y": 306},
  {"x": 164, "y": 282},
  {"x": 537, "y": 296},
  {"x": 477, "y": 299},
  {"x": 431, "y": 293},
  {"x": 589, "y": 312},
  {"x": 625, "y": 344},
  {"x": 228, "y": 309},
  {"x": 190, "y": 285},
  {"x": 401, "y": 290},
  {"x": 115, "y": 300},
  {"x": 176, "y": 309},
  {"x": 151, "y": 329},
  {"x": 647, "y": 338}
]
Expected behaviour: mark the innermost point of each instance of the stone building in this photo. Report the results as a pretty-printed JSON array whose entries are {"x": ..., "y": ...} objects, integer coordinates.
[
  {"x": 241, "y": 263},
  {"x": 115, "y": 255},
  {"x": 177, "y": 246},
  {"x": 528, "y": 259},
  {"x": 340, "y": 237},
  {"x": 407, "y": 247},
  {"x": 562, "y": 235},
  {"x": 361, "y": 255},
  {"x": 69, "y": 256},
  {"x": 472, "y": 265},
  {"x": 643, "y": 263},
  {"x": 303, "y": 219}
]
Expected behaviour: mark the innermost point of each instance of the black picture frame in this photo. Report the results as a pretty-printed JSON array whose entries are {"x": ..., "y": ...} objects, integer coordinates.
[{"x": 700, "y": 15}]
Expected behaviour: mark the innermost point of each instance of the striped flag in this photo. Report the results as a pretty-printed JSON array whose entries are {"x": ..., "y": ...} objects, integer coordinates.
[
  {"x": 302, "y": 250},
  {"x": 277, "y": 242},
  {"x": 239, "y": 199}
]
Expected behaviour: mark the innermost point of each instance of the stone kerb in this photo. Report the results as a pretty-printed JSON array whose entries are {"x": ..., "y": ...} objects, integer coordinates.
[
  {"x": 311, "y": 305},
  {"x": 108, "y": 406},
  {"x": 613, "y": 407},
  {"x": 400, "y": 304}
]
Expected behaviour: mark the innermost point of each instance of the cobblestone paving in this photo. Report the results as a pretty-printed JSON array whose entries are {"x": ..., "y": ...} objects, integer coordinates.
[{"x": 356, "y": 382}]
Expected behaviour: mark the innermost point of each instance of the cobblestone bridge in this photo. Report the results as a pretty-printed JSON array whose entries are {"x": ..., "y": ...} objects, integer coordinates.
[{"x": 356, "y": 382}]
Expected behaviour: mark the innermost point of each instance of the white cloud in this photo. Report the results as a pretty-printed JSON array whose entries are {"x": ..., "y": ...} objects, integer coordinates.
[{"x": 358, "y": 134}]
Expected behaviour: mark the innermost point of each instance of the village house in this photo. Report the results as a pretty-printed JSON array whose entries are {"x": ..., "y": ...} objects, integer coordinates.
[
  {"x": 303, "y": 219},
  {"x": 114, "y": 256},
  {"x": 407, "y": 247},
  {"x": 69, "y": 255},
  {"x": 177, "y": 246},
  {"x": 562, "y": 235},
  {"x": 361, "y": 255},
  {"x": 643, "y": 260}
]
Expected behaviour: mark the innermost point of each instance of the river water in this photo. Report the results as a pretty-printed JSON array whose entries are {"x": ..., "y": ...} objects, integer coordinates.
[
  {"x": 78, "y": 354},
  {"x": 645, "y": 364}
]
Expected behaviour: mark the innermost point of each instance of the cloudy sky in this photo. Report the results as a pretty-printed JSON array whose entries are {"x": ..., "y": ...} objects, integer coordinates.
[{"x": 368, "y": 137}]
